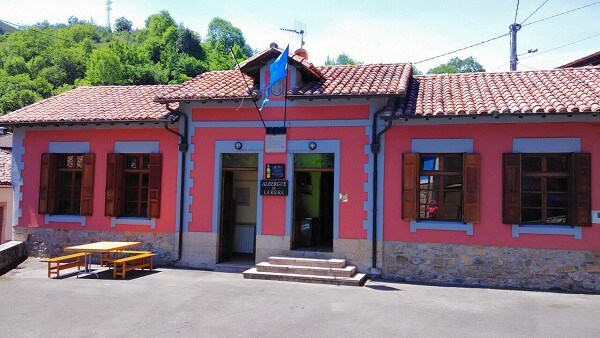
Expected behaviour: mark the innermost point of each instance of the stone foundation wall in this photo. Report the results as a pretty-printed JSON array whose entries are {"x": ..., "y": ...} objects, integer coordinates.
[
  {"x": 199, "y": 250},
  {"x": 44, "y": 242},
  {"x": 475, "y": 265}
]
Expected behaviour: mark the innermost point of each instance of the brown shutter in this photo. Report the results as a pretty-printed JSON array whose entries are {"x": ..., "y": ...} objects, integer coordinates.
[
  {"x": 582, "y": 189},
  {"x": 115, "y": 164},
  {"x": 511, "y": 188},
  {"x": 47, "y": 184},
  {"x": 410, "y": 186},
  {"x": 471, "y": 177},
  {"x": 154, "y": 183},
  {"x": 87, "y": 185}
]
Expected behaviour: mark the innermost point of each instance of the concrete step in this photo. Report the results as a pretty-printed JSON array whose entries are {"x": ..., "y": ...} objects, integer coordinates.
[
  {"x": 312, "y": 262},
  {"x": 232, "y": 267},
  {"x": 347, "y": 271},
  {"x": 357, "y": 280}
]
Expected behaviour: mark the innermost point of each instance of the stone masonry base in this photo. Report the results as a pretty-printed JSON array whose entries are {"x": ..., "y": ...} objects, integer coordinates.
[
  {"x": 476, "y": 265},
  {"x": 44, "y": 242}
]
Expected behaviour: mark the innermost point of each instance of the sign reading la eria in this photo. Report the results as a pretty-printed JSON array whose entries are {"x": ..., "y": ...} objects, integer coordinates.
[{"x": 274, "y": 187}]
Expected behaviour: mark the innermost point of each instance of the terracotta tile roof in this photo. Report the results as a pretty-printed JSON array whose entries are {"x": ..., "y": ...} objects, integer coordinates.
[
  {"x": 5, "y": 166},
  {"x": 6, "y": 141},
  {"x": 548, "y": 91},
  {"x": 361, "y": 80},
  {"x": 94, "y": 104},
  {"x": 589, "y": 60},
  {"x": 259, "y": 60}
]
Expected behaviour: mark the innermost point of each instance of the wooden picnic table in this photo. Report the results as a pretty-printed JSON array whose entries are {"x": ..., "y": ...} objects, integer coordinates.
[{"x": 100, "y": 247}]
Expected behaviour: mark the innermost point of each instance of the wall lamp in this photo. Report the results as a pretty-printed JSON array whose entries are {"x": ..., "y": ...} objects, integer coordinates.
[
  {"x": 312, "y": 146},
  {"x": 239, "y": 145}
]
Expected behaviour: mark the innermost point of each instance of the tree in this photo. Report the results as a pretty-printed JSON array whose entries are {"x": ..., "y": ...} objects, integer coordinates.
[
  {"x": 157, "y": 24},
  {"x": 188, "y": 42},
  {"x": 105, "y": 68},
  {"x": 226, "y": 34},
  {"x": 123, "y": 25},
  {"x": 342, "y": 59},
  {"x": 458, "y": 65}
]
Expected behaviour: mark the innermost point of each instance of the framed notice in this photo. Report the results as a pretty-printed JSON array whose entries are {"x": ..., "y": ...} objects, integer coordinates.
[
  {"x": 274, "y": 187},
  {"x": 275, "y": 143},
  {"x": 275, "y": 171}
]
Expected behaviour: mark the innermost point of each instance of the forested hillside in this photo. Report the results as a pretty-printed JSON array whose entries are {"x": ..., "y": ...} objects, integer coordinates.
[{"x": 43, "y": 60}]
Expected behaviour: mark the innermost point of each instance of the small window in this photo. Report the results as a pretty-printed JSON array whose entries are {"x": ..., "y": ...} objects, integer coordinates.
[
  {"x": 441, "y": 187},
  {"x": 136, "y": 176},
  {"x": 545, "y": 192}
]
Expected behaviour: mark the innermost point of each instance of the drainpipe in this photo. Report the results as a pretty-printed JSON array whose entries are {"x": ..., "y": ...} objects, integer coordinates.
[
  {"x": 183, "y": 148},
  {"x": 375, "y": 148}
]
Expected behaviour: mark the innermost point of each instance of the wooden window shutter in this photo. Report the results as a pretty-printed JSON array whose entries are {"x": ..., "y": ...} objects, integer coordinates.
[
  {"x": 511, "y": 188},
  {"x": 47, "y": 199},
  {"x": 581, "y": 210},
  {"x": 87, "y": 185},
  {"x": 115, "y": 165},
  {"x": 410, "y": 186},
  {"x": 471, "y": 178},
  {"x": 154, "y": 185}
]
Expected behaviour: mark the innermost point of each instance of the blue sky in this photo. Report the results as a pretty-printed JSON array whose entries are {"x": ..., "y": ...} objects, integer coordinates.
[{"x": 369, "y": 31}]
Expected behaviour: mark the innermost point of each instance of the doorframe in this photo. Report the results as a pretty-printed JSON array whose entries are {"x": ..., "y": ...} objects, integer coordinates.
[
  {"x": 302, "y": 147},
  {"x": 228, "y": 147}
]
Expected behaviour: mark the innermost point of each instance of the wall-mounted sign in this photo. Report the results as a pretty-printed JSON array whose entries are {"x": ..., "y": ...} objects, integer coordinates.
[
  {"x": 275, "y": 171},
  {"x": 274, "y": 187},
  {"x": 275, "y": 143}
]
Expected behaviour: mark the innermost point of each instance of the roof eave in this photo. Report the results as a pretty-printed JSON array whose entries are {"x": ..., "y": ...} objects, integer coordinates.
[
  {"x": 81, "y": 123},
  {"x": 487, "y": 115}
]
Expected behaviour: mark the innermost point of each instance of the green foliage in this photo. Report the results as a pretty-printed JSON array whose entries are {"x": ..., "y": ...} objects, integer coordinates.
[
  {"x": 45, "y": 59},
  {"x": 458, "y": 65},
  {"x": 342, "y": 59}
]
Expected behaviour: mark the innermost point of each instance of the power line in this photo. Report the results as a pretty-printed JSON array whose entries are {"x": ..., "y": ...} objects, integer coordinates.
[
  {"x": 559, "y": 14},
  {"x": 537, "y": 9},
  {"x": 36, "y": 31},
  {"x": 467, "y": 47},
  {"x": 517, "y": 11},
  {"x": 565, "y": 45}
]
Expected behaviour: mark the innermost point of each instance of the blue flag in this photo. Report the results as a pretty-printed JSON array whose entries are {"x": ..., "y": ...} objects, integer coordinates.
[{"x": 278, "y": 71}]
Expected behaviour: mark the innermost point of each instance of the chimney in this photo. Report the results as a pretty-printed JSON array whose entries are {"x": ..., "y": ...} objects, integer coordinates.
[
  {"x": 273, "y": 45},
  {"x": 302, "y": 53}
]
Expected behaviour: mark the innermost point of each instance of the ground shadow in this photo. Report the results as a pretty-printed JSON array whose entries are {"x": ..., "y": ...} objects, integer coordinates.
[{"x": 106, "y": 274}]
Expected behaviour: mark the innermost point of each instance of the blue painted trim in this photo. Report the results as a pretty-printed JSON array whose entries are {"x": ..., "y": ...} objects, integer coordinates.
[
  {"x": 295, "y": 123},
  {"x": 16, "y": 180},
  {"x": 69, "y": 147},
  {"x": 543, "y": 229},
  {"x": 256, "y": 147},
  {"x": 449, "y": 226},
  {"x": 188, "y": 199},
  {"x": 301, "y": 147},
  {"x": 547, "y": 145},
  {"x": 133, "y": 221},
  {"x": 137, "y": 147},
  {"x": 456, "y": 145},
  {"x": 65, "y": 219}
]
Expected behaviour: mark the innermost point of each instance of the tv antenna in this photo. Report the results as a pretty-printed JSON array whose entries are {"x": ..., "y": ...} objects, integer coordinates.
[{"x": 300, "y": 29}]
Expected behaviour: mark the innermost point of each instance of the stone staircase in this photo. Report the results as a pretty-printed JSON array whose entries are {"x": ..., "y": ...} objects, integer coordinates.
[{"x": 307, "y": 270}]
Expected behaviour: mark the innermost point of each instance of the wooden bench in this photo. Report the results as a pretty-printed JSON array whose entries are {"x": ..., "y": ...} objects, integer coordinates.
[
  {"x": 107, "y": 258},
  {"x": 64, "y": 262},
  {"x": 141, "y": 261}
]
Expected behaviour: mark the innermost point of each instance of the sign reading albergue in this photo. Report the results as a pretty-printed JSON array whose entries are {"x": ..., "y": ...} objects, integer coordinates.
[{"x": 274, "y": 187}]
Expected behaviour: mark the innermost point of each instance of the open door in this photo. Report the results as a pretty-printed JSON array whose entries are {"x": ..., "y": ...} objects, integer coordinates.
[{"x": 227, "y": 217}]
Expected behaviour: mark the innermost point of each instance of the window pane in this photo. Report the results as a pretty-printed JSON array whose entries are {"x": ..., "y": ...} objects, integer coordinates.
[
  {"x": 313, "y": 161},
  {"x": 430, "y": 182},
  {"x": 429, "y": 195},
  {"x": 557, "y": 216},
  {"x": 557, "y": 184},
  {"x": 453, "y": 182},
  {"x": 531, "y": 163},
  {"x": 239, "y": 161},
  {"x": 430, "y": 163},
  {"x": 452, "y": 210},
  {"x": 145, "y": 162},
  {"x": 132, "y": 162},
  {"x": 531, "y": 200},
  {"x": 557, "y": 200},
  {"x": 453, "y": 163},
  {"x": 531, "y": 215},
  {"x": 531, "y": 184},
  {"x": 557, "y": 163}
]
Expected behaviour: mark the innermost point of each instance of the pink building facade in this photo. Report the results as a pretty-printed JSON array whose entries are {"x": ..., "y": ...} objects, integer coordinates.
[{"x": 374, "y": 165}]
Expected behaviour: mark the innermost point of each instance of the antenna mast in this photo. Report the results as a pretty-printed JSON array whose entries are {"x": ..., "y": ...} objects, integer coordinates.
[{"x": 108, "y": 9}]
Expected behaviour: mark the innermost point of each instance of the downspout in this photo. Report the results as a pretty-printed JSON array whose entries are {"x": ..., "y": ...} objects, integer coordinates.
[
  {"x": 375, "y": 149},
  {"x": 183, "y": 148}
]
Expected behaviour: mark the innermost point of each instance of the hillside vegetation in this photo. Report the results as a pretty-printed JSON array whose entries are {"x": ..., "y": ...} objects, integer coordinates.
[{"x": 44, "y": 60}]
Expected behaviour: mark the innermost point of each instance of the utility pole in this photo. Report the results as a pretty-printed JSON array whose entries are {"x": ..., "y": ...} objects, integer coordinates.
[
  {"x": 514, "y": 28},
  {"x": 108, "y": 8}
]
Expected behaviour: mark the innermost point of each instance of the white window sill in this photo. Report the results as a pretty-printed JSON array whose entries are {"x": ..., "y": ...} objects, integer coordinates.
[
  {"x": 543, "y": 229},
  {"x": 446, "y": 226},
  {"x": 114, "y": 221},
  {"x": 65, "y": 219}
]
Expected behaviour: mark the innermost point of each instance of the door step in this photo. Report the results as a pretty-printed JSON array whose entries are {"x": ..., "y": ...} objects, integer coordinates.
[
  {"x": 356, "y": 280},
  {"x": 347, "y": 271},
  {"x": 307, "y": 270},
  {"x": 232, "y": 267},
  {"x": 312, "y": 262}
]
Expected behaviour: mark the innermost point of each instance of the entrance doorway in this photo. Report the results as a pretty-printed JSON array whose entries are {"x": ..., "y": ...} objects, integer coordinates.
[
  {"x": 237, "y": 224},
  {"x": 313, "y": 202}
]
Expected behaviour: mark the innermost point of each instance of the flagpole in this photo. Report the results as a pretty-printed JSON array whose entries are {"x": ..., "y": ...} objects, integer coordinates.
[
  {"x": 249, "y": 91},
  {"x": 285, "y": 103}
]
